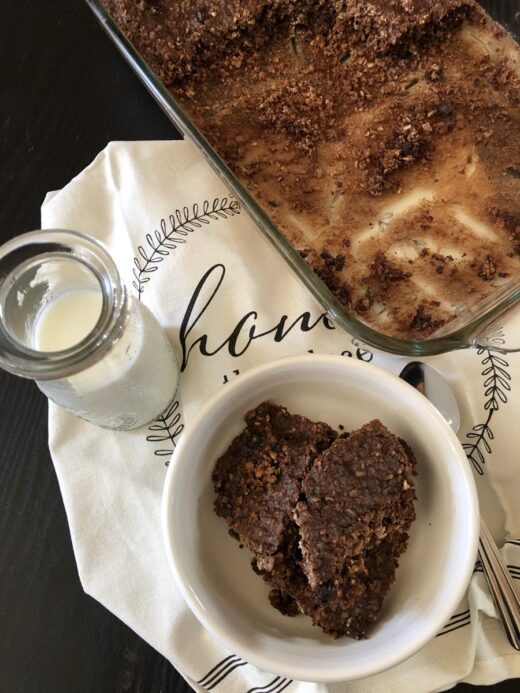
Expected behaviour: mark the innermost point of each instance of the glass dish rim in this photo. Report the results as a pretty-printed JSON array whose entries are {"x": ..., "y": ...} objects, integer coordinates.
[{"x": 464, "y": 336}]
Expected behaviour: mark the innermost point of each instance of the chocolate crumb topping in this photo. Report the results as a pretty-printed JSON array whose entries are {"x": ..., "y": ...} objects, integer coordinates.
[
  {"x": 385, "y": 271},
  {"x": 365, "y": 128},
  {"x": 488, "y": 269},
  {"x": 258, "y": 479},
  {"x": 423, "y": 321}
]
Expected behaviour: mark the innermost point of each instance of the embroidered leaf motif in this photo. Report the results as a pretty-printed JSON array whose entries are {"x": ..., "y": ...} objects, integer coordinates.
[
  {"x": 166, "y": 429},
  {"x": 496, "y": 386},
  {"x": 173, "y": 232}
]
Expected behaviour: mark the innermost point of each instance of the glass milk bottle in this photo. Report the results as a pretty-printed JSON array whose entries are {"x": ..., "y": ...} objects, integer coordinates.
[{"x": 68, "y": 322}]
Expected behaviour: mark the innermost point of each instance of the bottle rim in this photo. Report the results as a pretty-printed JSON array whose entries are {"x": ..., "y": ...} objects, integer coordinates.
[{"x": 21, "y": 360}]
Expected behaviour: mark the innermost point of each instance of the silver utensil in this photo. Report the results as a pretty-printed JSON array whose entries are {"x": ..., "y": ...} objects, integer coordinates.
[{"x": 435, "y": 388}]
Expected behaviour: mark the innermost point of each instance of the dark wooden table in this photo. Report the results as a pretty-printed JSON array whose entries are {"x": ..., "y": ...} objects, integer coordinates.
[{"x": 65, "y": 93}]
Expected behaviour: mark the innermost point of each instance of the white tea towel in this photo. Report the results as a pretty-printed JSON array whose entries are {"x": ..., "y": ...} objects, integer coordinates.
[{"x": 228, "y": 302}]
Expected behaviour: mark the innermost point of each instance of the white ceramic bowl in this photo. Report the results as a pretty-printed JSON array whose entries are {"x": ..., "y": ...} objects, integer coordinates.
[{"x": 215, "y": 576}]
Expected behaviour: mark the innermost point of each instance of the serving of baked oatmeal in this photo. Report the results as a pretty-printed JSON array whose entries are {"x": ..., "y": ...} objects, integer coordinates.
[{"x": 382, "y": 137}]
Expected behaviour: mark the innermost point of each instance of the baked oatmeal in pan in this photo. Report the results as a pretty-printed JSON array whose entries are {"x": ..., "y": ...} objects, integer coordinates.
[{"x": 381, "y": 136}]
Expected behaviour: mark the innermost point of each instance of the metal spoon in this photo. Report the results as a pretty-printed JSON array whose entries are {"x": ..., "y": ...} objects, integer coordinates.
[{"x": 435, "y": 388}]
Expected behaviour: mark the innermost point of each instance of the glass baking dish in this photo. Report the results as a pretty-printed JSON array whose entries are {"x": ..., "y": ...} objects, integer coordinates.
[{"x": 478, "y": 326}]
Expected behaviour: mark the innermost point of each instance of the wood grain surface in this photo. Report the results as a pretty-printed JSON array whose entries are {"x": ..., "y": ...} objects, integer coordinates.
[{"x": 65, "y": 93}]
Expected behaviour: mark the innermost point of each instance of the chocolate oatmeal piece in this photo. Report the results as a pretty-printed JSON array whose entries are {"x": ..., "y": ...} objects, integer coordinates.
[
  {"x": 326, "y": 517},
  {"x": 285, "y": 576},
  {"x": 356, "y": 493},
  {"x": 258, "y": 479},
  {"x": 345, "y": 605}
]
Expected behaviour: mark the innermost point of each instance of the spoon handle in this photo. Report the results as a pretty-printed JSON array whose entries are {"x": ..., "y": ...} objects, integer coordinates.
[{"x": 501, "y": 585}]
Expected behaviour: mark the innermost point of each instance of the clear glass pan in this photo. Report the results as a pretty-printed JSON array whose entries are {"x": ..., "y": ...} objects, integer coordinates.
[{"x": 474, "y": 327}]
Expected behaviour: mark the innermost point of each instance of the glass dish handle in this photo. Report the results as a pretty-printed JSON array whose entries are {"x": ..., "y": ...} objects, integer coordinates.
[{"x": 502, "y": 335}]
